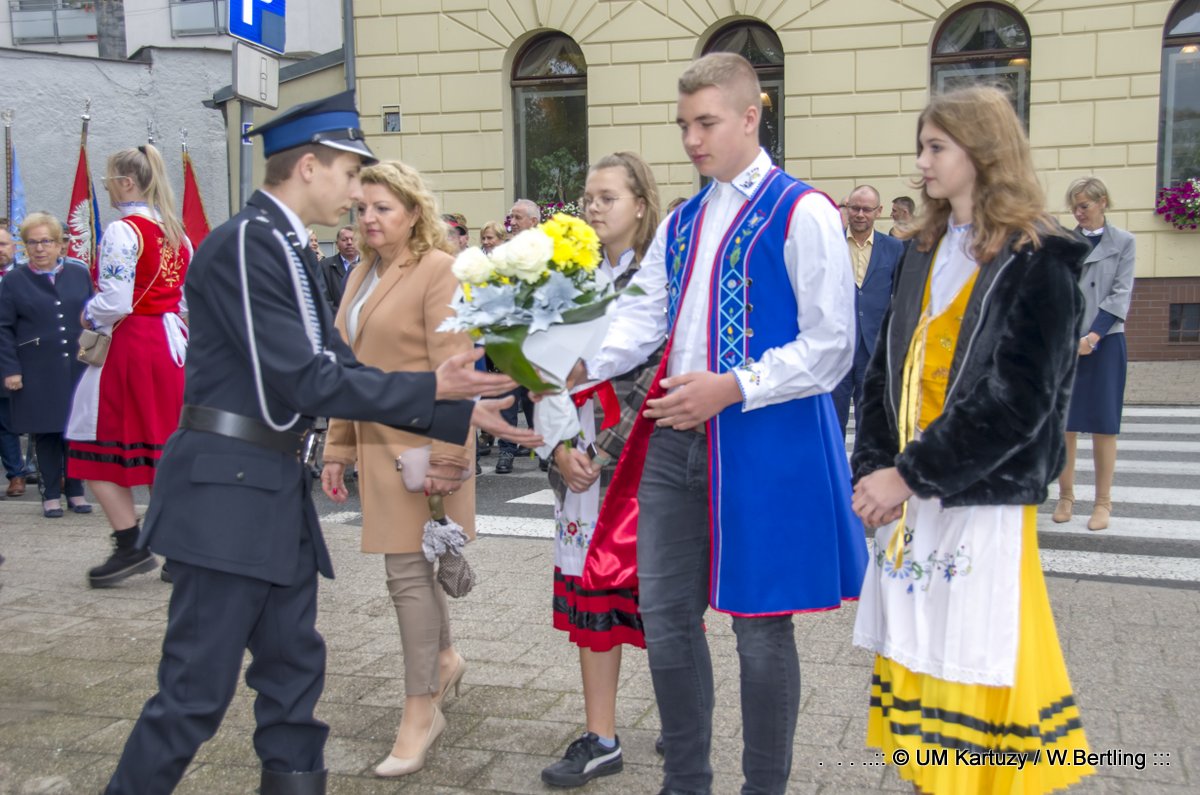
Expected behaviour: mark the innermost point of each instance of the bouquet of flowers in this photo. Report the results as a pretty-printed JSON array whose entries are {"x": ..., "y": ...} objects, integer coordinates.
[
  {"x": 537, "y": 302},
  {"x": 1180, "y": 204}
]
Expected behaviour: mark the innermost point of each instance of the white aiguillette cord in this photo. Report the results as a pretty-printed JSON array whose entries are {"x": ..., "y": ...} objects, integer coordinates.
[{"x": 309, "y": 329}]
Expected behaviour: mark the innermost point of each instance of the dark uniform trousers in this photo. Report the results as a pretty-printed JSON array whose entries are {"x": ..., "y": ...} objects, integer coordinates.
[{"x": 213, "y": 618}]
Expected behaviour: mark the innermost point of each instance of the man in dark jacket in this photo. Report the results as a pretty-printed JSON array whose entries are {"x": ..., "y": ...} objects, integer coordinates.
[
  {"x": 232, "y": 507},
  {"x": 874, "y": 258},
  {"x": 337, "y": 267}
]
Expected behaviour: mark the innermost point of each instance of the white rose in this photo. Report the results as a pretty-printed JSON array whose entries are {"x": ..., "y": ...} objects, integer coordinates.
[
  {"x": 473, "y": 266},
  {"x": 528, "y": 254},
  {"x": 500, "y": 260}
]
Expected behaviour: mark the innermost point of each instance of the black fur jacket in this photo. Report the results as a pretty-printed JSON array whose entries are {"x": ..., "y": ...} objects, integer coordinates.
[{"x": 999, "y": 439}]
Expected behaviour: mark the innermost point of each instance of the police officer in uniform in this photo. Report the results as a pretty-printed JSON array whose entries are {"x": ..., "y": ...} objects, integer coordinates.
[{"x": 231, "y": 509}]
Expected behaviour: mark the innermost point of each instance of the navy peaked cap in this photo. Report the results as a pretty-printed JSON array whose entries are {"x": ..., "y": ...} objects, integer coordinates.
[{"x": 332, "y": 121}]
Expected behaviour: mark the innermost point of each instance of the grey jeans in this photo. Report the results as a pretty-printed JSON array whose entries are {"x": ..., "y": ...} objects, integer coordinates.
[{"x": 673, "y": 578}]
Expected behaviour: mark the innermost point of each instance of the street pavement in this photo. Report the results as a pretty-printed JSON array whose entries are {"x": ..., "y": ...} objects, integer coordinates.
[{"x": 77, "y": 664}]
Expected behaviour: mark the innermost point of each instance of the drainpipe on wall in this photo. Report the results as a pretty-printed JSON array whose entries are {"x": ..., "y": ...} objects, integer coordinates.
[{"x": 348, "y": 42}]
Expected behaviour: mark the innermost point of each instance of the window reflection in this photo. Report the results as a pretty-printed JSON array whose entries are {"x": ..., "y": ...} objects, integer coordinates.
[
  {"x": 550, "y": 110},
  {"x": 984, "y": 43}
]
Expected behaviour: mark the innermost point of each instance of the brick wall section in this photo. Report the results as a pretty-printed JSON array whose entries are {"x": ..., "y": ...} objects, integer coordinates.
[{"x": 1149, "y": 312}]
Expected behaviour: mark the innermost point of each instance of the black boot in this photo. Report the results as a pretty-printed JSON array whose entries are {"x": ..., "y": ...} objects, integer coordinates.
[
  {"x": 277, "y": 783},
  {"x": 126, "y": 560}
]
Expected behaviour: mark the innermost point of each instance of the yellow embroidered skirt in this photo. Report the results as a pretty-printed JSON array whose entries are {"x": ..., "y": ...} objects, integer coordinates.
[{"x": 952, "y": 738}]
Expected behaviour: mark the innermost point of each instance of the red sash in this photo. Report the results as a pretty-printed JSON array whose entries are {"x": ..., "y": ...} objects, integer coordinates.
[
  {"x": 612, "y": 555},
  {"x": 607, "y": 396}
]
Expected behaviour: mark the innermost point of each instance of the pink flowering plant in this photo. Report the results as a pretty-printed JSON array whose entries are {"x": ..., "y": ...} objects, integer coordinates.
[{"x": 1180, "y": 204}]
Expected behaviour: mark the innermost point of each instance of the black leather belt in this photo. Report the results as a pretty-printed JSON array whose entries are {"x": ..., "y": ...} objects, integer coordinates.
[{"x": 235, "y": 426}]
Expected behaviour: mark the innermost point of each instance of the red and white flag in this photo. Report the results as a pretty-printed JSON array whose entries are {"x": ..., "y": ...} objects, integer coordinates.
[
  {"x": 195, "y": 222},
  {"x": 83, "y": 216}
]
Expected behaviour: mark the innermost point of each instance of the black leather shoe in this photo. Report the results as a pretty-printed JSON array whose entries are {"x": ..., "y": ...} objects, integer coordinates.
[
  {"x": 276, "y": 783},
  {"x": 504, "y": 464},
  {"x": 658, "y": 746}
]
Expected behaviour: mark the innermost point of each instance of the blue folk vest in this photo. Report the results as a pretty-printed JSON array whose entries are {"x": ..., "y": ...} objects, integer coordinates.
[{"x": 784, "y": 538}]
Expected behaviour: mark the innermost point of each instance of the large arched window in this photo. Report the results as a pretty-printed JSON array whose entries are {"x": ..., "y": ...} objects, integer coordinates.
[
  {"x": 550, "y": 108},
  {"x": 759, "y": 45},
  {"x": 983, "y": 43},
  {"x": 1179, "y": 105}
]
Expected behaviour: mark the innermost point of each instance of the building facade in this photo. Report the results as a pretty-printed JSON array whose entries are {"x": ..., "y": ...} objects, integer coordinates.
[
  {"x": 76, "y": 27},
  {"x": 495, "y": 99}
]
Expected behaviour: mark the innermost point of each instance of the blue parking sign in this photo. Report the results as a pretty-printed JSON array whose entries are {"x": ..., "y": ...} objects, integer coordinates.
[{"x": 258, "y": 22}]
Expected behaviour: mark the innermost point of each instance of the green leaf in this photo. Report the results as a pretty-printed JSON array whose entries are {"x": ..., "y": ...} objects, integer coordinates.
[
  {"x": 595, "y": 310},
  {"x": 503, "y": 346}
]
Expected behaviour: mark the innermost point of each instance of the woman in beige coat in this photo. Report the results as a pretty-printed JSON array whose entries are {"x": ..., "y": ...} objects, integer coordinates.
[{"x": 393, "y": 303}]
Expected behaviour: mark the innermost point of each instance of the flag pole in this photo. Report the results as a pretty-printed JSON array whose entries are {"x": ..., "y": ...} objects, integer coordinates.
[
  {"x": 86, "y": 117},
  {"x": 8, "y": 192}
]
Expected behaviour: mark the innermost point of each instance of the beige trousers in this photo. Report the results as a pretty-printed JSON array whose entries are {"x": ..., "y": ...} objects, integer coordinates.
[{"x": 424, "y": 618}]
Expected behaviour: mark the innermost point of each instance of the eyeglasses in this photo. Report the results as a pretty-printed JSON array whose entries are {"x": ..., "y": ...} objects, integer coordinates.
[
  {"x": 603, "y": 203},
  {"x": 43, "y": 243},
  {"x": 106, "y": 180},
  {"x": 850, "y": 208}
]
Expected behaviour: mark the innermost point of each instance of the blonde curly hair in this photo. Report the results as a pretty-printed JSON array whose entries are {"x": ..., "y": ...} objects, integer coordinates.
[{"x": 405, "y": 183}]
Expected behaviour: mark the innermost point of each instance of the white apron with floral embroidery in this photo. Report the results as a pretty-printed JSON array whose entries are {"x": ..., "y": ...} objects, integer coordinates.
[
  {"x": 951, "y": 609},
  {"x": 575, "y": 518}
]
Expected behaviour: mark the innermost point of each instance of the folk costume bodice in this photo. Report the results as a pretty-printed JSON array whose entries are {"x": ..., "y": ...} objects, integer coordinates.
[
  {"x": 784, "y": 538},
  {"x": 161, "y": 268}
]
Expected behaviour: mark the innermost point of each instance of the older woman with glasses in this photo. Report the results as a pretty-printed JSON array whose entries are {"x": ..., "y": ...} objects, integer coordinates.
[{"x": 40, "y": 310}]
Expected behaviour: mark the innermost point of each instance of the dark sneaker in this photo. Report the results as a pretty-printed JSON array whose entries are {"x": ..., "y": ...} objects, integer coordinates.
[
  {"x": 658, "y": 746},
  {"x": 504, "y": 463},
  {"x": 121, "y": 564},
  {"x": 584, "y": 760}
]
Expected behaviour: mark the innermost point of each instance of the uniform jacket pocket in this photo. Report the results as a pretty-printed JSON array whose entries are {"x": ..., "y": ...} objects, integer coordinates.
[{"x": 238, "y": 469}]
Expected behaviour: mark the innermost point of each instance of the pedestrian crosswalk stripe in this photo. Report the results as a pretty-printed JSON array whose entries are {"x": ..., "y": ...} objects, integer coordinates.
[
  {"x": 1106, "y": 564},
  {"x": 1136, "y": 466},
  {"x": 1175, "y": 429},
  {"x": 1126, "y": 527},
  {"x": 1160, "y": 411},
  {"x": 1124, "y": 444},
  {"x": 543, "y": 497},
  {"x": 1146, "y": 495},
  {"x": 529, "y": 527},
  {"x": 341, "y": 517}
]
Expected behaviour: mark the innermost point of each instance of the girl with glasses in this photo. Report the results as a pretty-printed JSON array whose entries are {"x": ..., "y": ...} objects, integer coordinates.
[{"x": 125, "y": 408}]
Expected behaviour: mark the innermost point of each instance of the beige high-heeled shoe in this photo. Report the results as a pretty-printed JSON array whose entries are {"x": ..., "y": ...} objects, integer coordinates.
[
  {"x": 1062, "y": 509},
  {"x": 453, "y": 680},
  {"x": 1101, "y": 512},
  {"x": 395, "y": 766}
]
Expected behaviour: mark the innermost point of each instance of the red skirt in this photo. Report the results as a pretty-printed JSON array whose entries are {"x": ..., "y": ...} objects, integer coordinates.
[
  {"x": 140, "y": 396},
  {"x": 596, "y": 620}
]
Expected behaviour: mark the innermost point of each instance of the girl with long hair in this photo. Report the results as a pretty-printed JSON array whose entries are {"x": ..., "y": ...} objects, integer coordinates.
[
  {"x": 961, "y": 432},
  {"x": 125, "y": 408},
  {"x": 621, "y": 203}
]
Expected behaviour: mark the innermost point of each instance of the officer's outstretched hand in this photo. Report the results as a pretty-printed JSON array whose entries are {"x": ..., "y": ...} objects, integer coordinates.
[
  {"x": 486, "y": 417},
  {"x": 457, "y": 379}
]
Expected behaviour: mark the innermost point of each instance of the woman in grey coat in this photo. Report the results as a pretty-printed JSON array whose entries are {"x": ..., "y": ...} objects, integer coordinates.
[{"x": 1096, "y": 400}]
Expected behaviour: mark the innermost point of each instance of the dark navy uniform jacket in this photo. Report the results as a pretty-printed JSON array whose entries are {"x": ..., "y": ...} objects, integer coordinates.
[
  {"x": 231, "y": 505},
  {"x": 39, "y": 337}
]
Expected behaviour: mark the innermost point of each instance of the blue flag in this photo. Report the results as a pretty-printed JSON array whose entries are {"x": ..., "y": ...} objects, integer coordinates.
[{"x": 16, "y": 200}]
